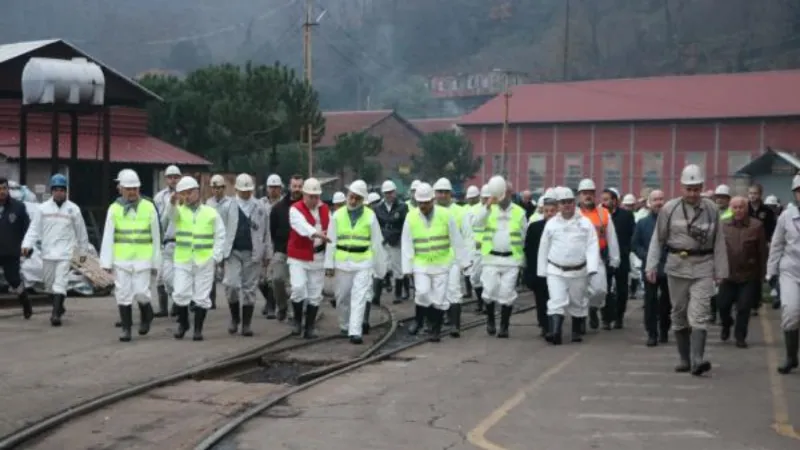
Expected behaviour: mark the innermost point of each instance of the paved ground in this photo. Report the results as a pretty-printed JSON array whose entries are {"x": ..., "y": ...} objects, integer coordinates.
[{"x": 610, "y": 392}]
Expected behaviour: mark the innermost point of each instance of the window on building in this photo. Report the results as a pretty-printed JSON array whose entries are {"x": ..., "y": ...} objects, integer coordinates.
[
  {"x": 573, "y": 165},
  {"x": 652, "y": 168},
  {"x": 698, "y": 159},
  {"x": 612, "y": 170},
  {"x": 497, "y": 165},
  {"x": 537, "y": 169},
  {"x": 737, "y": 160}
]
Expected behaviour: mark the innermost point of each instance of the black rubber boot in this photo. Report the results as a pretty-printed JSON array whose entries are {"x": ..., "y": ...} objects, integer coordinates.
[
  {"x": 479, "y": 297},
  {"x": 387, "y": 282},
  {"x": 436, "y": 317},
  {"x": 199, "y": 319},
  {"x": 398, "y": 291},
  {"x": 183, "y": 322},
  {"x": 505, "y": 321},
  {"x": 236, "y": 317},
  {"x": 175, "y": 311},
  {"x": 594, "y": 320},
  {"x": 713, "y": 310},
  {"x": 791, "y": 339},
  {"x": 126, "y": 318},
  {"x": 297, "y": 312},
  {"x": 27, "y": 306},
  {"x": 683, "y": 341},
  {"x": 311, "y": 319},
  {"x": 163, "y": 302},
  {"x": 576, "y": 329},
  {"x": 55, "y": 316},
  {"x": 145, "y": 318},
  {"x": 467, "y": 287},
  {"x": 269, "y": 305},
  {"x": 419, "y": 319},
  {"x": 213, "y": 295},
  {"x": 377, "y": 290},
  {"x": 699, "y": 364},
  {"x": 556, "y": 322},
  {"x": 406, "y": 288},
  {"x": 491, "y": 329},
  {"x": 652, "y": 339},
  {"x": 365, "y": 321},
  {"x": 776, "y": 303},
  {"x": 455, "y": 319},
  {"x": 247, "y": 319}
]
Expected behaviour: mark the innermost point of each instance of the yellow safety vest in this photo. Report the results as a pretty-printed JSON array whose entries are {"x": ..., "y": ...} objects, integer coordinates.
[
  {"x": 133, "y": 238},
  {"x": 515, "y": 216},
  {"x": 457, "y": 212},
  {"x": 353, "y": 242},
  {"x": 727, "y": 214},
  {"x": 431, "y": 243},
  {"x": 194, "y": 234}
]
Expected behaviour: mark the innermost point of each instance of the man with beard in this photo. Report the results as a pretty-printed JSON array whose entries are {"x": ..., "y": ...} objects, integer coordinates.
[
  {"x": 279, "y": 231},
  {"x": 624, "y": 224},
  {"x": 273, "y": 196}
]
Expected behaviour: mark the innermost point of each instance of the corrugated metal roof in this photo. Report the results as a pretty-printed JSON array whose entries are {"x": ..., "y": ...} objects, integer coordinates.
[
  {"x": 689, "y": 97},
  {"x": 124, "y": 149},
  {"x": 340, "y": 122},
  {"x": 765, "y": 163},
  {"x": 11, "y": 51}
]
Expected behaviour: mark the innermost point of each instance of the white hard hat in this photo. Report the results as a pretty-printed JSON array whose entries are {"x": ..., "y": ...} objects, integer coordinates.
[
  {"x": 415, "y": 184},
  {"x": 359, "y": 187},
  {"x": 312, "y": 187},
  {"x": 128, "y": 178},
  {"x": 423, "y": 193},
  {"x": 373, "y": 197},
  {"x": 186, "y": 184},
  {"x": 549, "y": 194},
  {"x": 244, "y": 183},
  {"x": 388, "y": 186},
  {"x": 723, "y": 189},
  {"x": 565, "y": 193},
  {"x": 13, "y": 184},
  {"x": 629, "y": 199},
  {"x": 586, "y": 185},
  {"x": 442, "y": 184},
  {"x": 473, "y": 192},
  {"x": 217, "y": 181},
  {"x": 771, "y": 200},
  {"x": 614, "y": 191},
  {"x": 540, "y": 202},
  {"x": 339, "y": 198},
  {"x": 172, "y": 170},
  {"x": 274, "y": 180},
  {"x": 691, "y": 175},
  {"x": 497, "y": 187},
  {"x": 485, "y": 191},
  {"x": 796, "y": 182}
]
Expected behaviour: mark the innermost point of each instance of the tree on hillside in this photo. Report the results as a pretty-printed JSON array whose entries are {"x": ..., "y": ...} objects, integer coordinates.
[
  {"x": 446, "y": 154},
  {"x": 354, "y": 154}
]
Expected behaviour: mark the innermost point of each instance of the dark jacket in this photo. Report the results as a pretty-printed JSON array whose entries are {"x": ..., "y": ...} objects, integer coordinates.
[
  {"x": 624, "y": 225},
  {"x": 14, "y": 222},
  {"x": 391, "y": 221},
  {"x": 533, "y": 238},
  {"x": 767, "y": 218},
  {"x": 747, "y": 249},
  {"x": 279, "y": 224},
  {"x": 641, "y": 242}
]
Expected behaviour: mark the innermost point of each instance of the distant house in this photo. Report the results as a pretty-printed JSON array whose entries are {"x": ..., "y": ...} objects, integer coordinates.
[{"x": 434, "y": 125}]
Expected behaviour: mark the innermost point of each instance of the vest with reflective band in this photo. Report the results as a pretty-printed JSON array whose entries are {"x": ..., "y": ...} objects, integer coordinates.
[
  {"x": 194, "y": 234},
  {"x": 515, "y": 217},
  {"x": 133, "y": 239},
  {"x": 458, "y": 212},
  {"x": 600, "y": 223},
  {"x": 477, "y": 232},
  {"x": 351, "y": 239},
  {"x": 431, "y": 243},
  {"x": 300, "y": 247},
  {"x": 727, "y": 214}
]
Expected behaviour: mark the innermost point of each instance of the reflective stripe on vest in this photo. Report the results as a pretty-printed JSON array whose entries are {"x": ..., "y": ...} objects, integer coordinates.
[
  {"x": 353, "y": 237},
  {"x": 727, "y": 214},
  {"x": 477, "y": 232},
  {"x": 514, "y": 218},
  {"x": 133, "y": 238},
  {"x": 600, "y": 224},
  {"x": 194, "y": 234},
  {"x": 431, "y": 243}
]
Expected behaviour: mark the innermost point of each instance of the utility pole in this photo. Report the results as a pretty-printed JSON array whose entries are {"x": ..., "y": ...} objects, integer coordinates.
[
  {"x": 307, "y": 24},
  {"x": 565, "y": 68},
  {"x": 507, "y": 106}
]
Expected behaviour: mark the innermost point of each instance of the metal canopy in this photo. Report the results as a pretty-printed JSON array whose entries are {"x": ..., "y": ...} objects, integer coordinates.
[{"x": 772, "y": 161}]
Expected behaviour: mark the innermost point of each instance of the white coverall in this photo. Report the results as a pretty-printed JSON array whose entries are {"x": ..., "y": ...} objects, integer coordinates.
[
  {"x": 243, "y": 268},
  {"x": 219, "y": 205},
  {"x": 354, "y": 278},
  {"x": 476, "y": 268},
  {"x": 192, "y": 282},
  {"x": 307, "y": 277},
  {"x": 167, "y": 273},
  {"x": 63, "y": 233},
  {"x": 568, "y": 243},
  {"x": 455, "y": 293},
  {"x": 430, "y": 282},
  {"x": 599, "y": 301},
  {"x": 131, "y": 278},
  {"x": 784, "y": 262},
  {"x": 499, "y": 277}
]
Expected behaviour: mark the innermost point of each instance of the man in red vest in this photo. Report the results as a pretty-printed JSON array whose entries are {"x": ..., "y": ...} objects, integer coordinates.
[{"x": 309, "y": 219}]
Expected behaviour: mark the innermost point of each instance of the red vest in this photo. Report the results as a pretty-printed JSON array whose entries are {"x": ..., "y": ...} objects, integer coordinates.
[{"x": 300, "y": 247}]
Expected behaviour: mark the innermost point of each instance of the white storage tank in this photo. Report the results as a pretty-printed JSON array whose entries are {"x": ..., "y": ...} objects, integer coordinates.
[{"x": 49, "y": 81}]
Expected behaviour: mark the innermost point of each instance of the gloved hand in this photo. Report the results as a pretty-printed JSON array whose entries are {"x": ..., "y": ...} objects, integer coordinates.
[{"x": 773, "y": 282}]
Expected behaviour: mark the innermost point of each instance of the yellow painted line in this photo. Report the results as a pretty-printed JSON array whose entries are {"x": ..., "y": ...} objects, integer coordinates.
[
  {"x": 477, "y": 436},
  {"x": 780, "y": 409}
]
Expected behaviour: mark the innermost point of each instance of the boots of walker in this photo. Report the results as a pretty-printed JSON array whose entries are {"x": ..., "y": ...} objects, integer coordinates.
[
  {"x": 556, "y": 322},
  {"x": 126, "y": 319},
  {"x": 455, "y": 319},
  {"x": 683, "y": 341},
  {"x": 145, "y": 318},
  {"x": 199, "y": 319},
  {"x": 163, "y": 302},
  {"x": 491, "y": 328},
  {"x": 437, "y": 319},
  {"x": 467, "y": 287},
  {"x": 311, "y": 319},
  {"x": 698, "y": 348},
  {"x": 297, "y": 316},
  {"x": 406, "y": 288},
  {"x": 25, "y": 302},
  {"x": 505, "y": 320},
  {"x": 183, "y": 321},
  {"x": 792, "y": 342},
  {"x": 398, "y": 291},
  {"x": 377, "y": 290},
  {"x": 419, "y": 319},
  {"x": 479, "y": 299},
  {"x": 55, "y": 316},
  {"x": 247, "y": 319},
  {"x": 576, "y": 329},
  {"x": 236, "y": 317}
]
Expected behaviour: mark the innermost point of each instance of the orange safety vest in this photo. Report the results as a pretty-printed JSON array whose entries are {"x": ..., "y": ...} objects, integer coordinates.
[{"x": 600, "y": 222}]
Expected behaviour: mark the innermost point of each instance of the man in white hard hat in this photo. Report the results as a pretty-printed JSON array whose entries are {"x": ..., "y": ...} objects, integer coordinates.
[
  {"x": 624, "y": 226},
  {"x": 444, "y": 199},
  {"x": 607, "y": 240},
  {"x": 164, "y": 283},
  {"x": 628, "y": 202},
  {"x": 688, "y": 229},
  {"x": 247, "y": 250},
  {"x": 339, "y": 200},
  {"x": 279, "y": 230},
  {"x": 412, "y": 202},
  {"x": 391, "y": 215},
  {"x": 218, "y": 201},
  {"x": 131, "y": 248},
  {"x": 309, "y": 220},
  {"x": 355, "y": 252},
  {"x": 568, "y": 255},
  {"x": 274, "y": 193},
  {"x": 477, "y": 235},
  {"x": 533, "y": 238},
  {"x": 472, "y": 201},
  {"x": 783, "y": 273},
  {"x": 431, "y": 244},
  {"x": 502, "y": 255},
  {"x": 199, "y": 247}
]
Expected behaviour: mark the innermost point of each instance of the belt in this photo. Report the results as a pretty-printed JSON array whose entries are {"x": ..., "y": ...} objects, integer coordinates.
[
  {"x": 496, "y": 253},
  {"x": 169, "y": 241},
  {"x": 351, "y": 249},
  {"x": 685, "y": 253},
  {"x": 568, "y": 268},
  {"x": 319, "y": 248}
]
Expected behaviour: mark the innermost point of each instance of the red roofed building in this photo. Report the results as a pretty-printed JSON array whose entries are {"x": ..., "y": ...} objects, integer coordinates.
[{"x": 637, "y": 133}]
